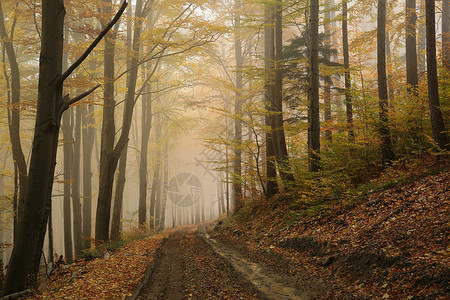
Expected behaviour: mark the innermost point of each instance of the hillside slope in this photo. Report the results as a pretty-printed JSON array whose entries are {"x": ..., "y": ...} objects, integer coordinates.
[{"x": 390, "y": 244}]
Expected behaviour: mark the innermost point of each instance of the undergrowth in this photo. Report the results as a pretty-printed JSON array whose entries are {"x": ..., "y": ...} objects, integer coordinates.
[
  {"x": 319, "y": 194},
  {"x": 114, "y": 245}
]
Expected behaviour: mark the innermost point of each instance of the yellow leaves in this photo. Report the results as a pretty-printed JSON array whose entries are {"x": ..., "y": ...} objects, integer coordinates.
[{"x": 104, "y": 278}]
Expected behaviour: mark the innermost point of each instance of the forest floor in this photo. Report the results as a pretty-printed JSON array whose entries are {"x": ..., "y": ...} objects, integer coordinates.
[{"x": 389, "y": 244}]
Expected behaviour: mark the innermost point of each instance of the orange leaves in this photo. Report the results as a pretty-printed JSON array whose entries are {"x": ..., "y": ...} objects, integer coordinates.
[{"x": 110, "y": 277}]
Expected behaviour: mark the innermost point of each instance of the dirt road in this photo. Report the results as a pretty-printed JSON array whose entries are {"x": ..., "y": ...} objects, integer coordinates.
[{"x": 201, "y": 264}]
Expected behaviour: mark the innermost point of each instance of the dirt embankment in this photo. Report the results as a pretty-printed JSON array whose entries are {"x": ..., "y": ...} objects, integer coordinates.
[{"x": 391, "y": 245}]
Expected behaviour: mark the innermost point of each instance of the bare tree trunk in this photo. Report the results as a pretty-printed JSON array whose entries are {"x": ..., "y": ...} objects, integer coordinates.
[
  {"x": 412, "y": 79},
  {"x": 88, "y": 144},
  {"x": 156, "y": 184},
  {"x": 314, "y": 114},
  {"x": 27, "y": 250},
  {"x": 446, "y": 34},
  {"x": 237, "y": 161},
  {"x": 162, "y": 213},
  {"x": 146, "y": 128},
  {"x": 68, "y": 161},
  {"x": 347, "y": 76},
  {"x": 279, "y": 136},
  {"x": 386, "y": 145},
  {"x": 50, "y": 238},
  {"x": 76, "y": 202},
  {"x": 106, "y": 182},
  {"x": 118, "y": 196},
  {"x": 108, "y": 163},
  {"x": 328, "y": 81},
  {"x": 421, "y": 47},
  {"x": 14, "y": 117},
  {"x": 33, "y": 220},
  {"x": 269, "y": 55},
  {"x": 437, "y": 121},
  {"x": 116, "y": 223}
]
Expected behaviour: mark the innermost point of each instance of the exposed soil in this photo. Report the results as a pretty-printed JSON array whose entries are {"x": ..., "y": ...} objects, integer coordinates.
[
  {"x": 186, "y": 267},
  {"x": 394, "y": 244}
]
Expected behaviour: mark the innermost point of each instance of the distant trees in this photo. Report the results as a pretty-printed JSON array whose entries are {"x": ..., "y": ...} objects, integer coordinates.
[{"x": 14, "y": 87}]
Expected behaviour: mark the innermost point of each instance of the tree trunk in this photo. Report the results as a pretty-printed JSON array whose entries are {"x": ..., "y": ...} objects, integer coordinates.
[
  {"x": 162, "y": 212},
  {"x": 76, "y": 199},
  {"x": 386, "y": 145},
  {"x": 27, "y": 251},
  {"x": 118, "y": 196},
  {"x": 269, "y": 55},
  {"x": 143, "y": 163},
  {"x": 88, "y": 144},
  {"x": 237, "y": 164},
  {"x": 412, "y": 79},
  {"x": 279, "y": 136},
  {"x": 156, "y": 183},
  {"x": 446, "y": 34},
  {"x": 106, "y": 182},
  {"x": 68, "y": 162},
  {"x": 50, "y": 238},
  {"x": 327, "y": 80},
  {"x": 116, "y": 223},
  {"x": 421, "y": 47},
  {"x": 33, "y": 220},
  {"x": 108, "y": 162},
  {"x": 437, "y": 121},
  {"x": 14, "y": 117},
  {"x": 314, "y": 117},
  {"x": 347, "y": 76}
]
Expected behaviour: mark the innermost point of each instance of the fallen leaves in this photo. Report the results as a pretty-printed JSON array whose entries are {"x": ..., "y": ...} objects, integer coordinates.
[
  {"x": 111, "y": 277},
  {"x": 402, "y": 234}
]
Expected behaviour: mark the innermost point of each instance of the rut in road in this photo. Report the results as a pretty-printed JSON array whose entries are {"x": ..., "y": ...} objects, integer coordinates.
[{"x": 188, "y": 268}]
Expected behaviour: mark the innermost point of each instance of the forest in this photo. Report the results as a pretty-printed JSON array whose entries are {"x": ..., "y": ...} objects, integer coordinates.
[{"x": 125, "y": 119}]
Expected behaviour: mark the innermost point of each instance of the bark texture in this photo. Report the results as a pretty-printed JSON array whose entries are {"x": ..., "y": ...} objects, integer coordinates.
[{"x": 387, "y": 153}]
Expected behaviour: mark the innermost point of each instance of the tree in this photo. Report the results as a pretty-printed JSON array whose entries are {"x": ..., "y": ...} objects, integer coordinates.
[
  {"x": 76, "y": 197},
  {"x": 347, "y": 76},
  {"x": 281, "y": 152},
  {"x": 446, "y": 34},
  {"x": 237, "y": 164},
  {"x": 387, "y": 153},
  {"x": 437, "y": 121},
  {"x": 14, "y": 118},
  {"x": 110, "y": 154},
  {"x": 121, "y": 172},
  {"x": 88, "y": 144},
  {"x": 68, "y": 162},
  {"x": 412, "y": 79},
  {"x": 51, "y": 104},
  {"x": 269, "y": 55},
  {"x": 327, "y": 80},
  {"x": 156, "y": 182},
  {"x": 314, "y": 117}
]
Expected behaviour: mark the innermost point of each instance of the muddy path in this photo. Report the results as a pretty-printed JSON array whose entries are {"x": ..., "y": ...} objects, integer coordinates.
[
  {"x": 198, "y": 263},
  {"x": 188, "y": 268}
]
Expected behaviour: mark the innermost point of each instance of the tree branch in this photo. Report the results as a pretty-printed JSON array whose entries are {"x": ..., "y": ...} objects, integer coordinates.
[
  {"x": 68, "y": 102},
  {"x": 94, "y": 44}
]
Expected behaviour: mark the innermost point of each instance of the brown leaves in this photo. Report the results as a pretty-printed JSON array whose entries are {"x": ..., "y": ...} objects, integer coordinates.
[{"x": 111, "y": 277}]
